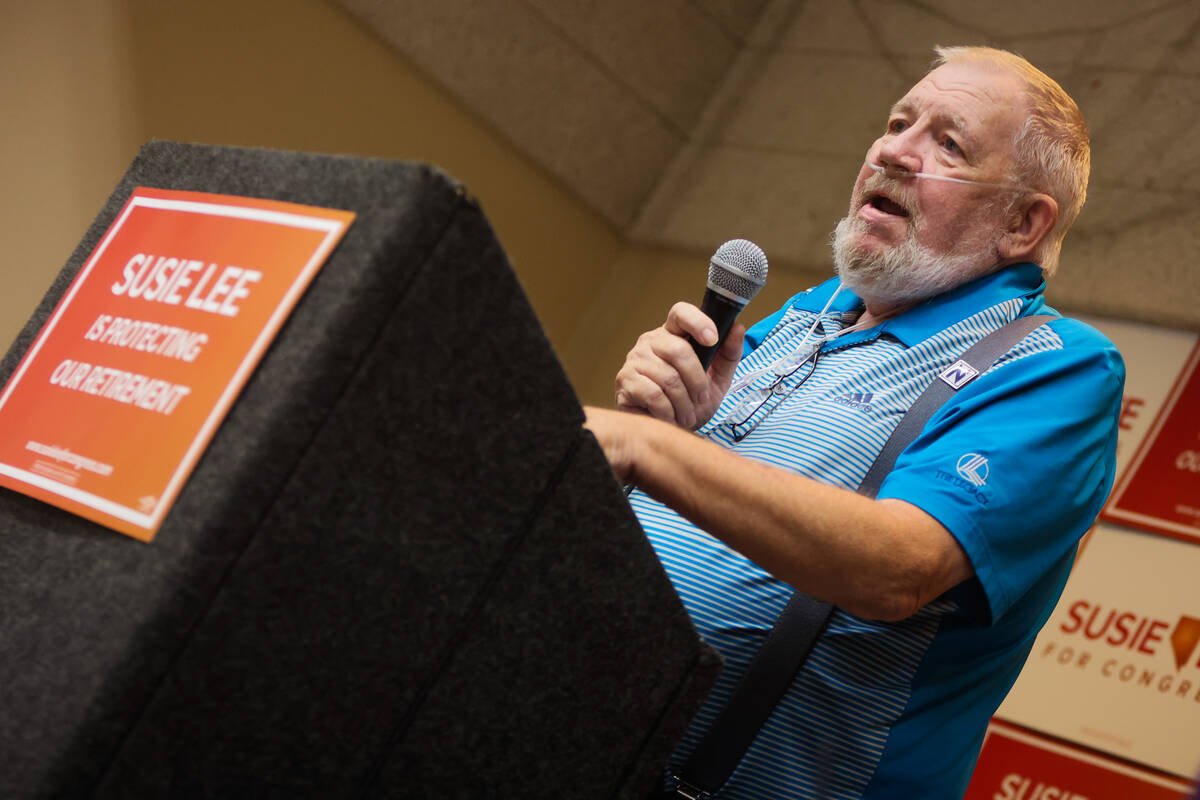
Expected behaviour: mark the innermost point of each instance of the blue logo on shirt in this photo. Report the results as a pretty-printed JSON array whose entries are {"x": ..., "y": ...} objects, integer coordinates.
[{"x": 860, "y": 401}]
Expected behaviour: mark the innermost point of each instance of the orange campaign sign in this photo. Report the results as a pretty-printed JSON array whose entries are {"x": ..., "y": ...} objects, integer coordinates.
[
  {"x": 114, "y": 403},
  {"x": 1160, "y": 491}
]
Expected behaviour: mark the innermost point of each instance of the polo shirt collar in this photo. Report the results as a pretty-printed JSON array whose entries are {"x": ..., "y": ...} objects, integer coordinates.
[{"x": 1022, "y": 280}]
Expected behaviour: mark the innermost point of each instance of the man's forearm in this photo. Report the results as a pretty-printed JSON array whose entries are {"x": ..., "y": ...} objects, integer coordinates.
[{"x": 878, "y": 559}]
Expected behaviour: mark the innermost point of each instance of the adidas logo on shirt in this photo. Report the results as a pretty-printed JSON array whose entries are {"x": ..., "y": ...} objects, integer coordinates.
[{"x": 856, "y": 400}]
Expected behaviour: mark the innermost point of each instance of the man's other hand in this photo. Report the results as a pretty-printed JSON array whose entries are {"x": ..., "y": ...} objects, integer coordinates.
[{"x": 618, "y": 438}]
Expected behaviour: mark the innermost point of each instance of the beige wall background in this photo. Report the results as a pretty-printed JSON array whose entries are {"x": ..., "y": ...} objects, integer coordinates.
[{"x": 84, "y": 84}]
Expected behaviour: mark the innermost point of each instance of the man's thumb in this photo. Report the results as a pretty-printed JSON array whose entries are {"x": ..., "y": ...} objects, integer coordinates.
[{"x": 727, "y": 358}]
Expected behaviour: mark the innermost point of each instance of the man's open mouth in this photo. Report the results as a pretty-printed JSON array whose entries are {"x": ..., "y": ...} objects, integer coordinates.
[{"x": 887, "y": 205}]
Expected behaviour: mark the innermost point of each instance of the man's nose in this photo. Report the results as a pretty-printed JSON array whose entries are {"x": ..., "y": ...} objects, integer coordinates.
[{"x": 897, "y": 154}]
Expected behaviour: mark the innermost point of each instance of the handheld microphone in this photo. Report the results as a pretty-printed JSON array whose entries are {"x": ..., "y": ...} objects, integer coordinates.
[{"x": 735, "y": 274}]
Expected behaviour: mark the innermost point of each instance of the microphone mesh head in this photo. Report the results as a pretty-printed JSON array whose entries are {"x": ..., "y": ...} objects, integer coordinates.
[{"x": 738, "y": 270}]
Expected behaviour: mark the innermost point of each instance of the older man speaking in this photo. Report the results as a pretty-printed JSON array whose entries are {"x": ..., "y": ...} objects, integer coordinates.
[{"x": 941, "y": 582}]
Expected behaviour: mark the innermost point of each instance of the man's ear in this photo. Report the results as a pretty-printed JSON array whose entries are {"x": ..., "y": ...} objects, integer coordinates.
[{"x": 1031, "y": 224}]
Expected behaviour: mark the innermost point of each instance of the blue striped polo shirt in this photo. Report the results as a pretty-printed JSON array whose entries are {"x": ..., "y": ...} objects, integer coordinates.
[{"x": 1015, "y": 466}]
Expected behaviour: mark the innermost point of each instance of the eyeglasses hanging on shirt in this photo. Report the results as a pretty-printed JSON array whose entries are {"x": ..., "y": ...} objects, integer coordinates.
[
  {"x": 745, "y": 416},
  {"x": 742, "y": 419}
]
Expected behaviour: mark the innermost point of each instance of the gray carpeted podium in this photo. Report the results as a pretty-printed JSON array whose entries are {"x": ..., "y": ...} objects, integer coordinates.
[{"x": 401, "y": 569}]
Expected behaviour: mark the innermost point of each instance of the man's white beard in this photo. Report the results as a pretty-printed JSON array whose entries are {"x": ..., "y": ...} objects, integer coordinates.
[{"x": 909, "y": 272}]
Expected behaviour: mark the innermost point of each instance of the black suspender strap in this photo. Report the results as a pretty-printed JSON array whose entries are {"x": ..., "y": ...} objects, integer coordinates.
[
  {"x": 766, "y": 680},
  {"x": 804, "y": 618}
]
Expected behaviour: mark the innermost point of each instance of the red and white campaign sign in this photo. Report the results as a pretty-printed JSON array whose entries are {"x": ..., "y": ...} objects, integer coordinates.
[
  {"x": 1160, "y": 491},
  {"x": 1015, "y": 765},
  {"x": 1153, "y": 358},
  {"x": 1117, "y": 666},
  {"x": 121, "y": 391}
]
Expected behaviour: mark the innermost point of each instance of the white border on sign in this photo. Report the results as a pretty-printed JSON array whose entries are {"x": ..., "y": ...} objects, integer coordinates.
[{"x": 150, "y": 521}]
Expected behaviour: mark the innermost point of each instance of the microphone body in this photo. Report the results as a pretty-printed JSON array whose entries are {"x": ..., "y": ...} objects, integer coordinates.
[
  {"x": 735, "y": 274},
  {"x": 722, "y": 311}
]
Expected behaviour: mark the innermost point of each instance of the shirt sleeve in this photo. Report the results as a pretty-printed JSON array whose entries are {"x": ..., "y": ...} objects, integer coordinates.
[{"x": 1018, "y": 463}]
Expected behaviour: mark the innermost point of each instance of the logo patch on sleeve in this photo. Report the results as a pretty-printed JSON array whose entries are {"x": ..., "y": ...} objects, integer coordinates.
[
  {"x": 974, "y": 468},
  {"x": 970, "y": 474}
]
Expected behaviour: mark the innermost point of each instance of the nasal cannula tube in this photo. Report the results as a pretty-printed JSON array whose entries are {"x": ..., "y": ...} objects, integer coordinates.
[{"x": 901, "y": 174}]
